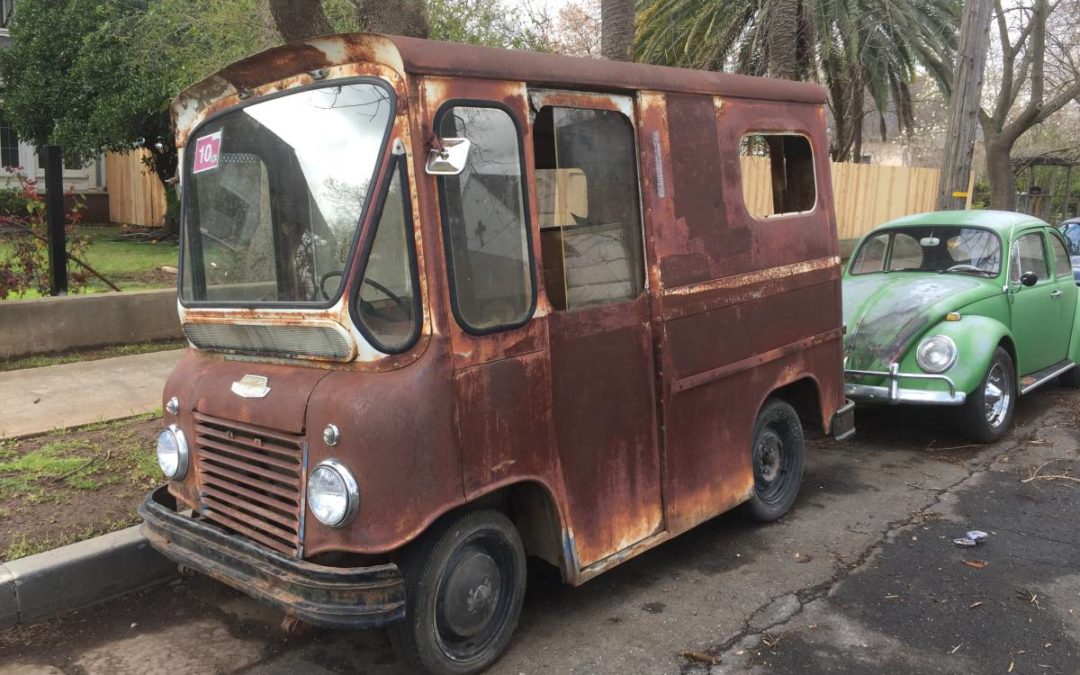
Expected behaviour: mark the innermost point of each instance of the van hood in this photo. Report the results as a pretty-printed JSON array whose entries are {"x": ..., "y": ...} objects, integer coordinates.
[
  {"x": 234, "y": 390},
  {"x": 885, "y": 313}
]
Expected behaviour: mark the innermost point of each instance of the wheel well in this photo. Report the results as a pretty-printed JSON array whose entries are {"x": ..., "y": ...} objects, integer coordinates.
[
  {"x": 1007, "y": 343},
  {"x": 533, "y": 510},
  {"x": 803, "y": 395}
]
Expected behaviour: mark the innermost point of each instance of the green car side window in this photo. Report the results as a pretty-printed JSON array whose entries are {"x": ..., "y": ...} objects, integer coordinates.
[
  {"x": 871, "y": 257},
  {"x": 1032, "y": 255},
  {"x": 1062, "y": 264}
]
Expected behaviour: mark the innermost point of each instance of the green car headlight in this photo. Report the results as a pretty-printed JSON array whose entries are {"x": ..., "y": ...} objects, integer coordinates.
[{"x": 936, "y": 354}]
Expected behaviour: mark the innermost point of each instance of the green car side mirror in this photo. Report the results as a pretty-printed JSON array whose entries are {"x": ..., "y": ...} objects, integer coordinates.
[{"x": 1029, "y": 278}]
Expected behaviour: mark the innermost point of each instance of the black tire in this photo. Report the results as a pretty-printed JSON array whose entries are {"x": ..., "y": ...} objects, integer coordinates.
[
  {"x": 984, "y": 418},
  {"x": 777, "y": 453},
  {"x": 464, "y": 585}
]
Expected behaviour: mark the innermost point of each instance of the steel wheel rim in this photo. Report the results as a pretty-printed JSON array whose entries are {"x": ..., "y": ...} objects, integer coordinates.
[
  {"x": 997, "y": 395},
  {"x": 474, "y": 596},
  {"x": 772, "y": 465}
]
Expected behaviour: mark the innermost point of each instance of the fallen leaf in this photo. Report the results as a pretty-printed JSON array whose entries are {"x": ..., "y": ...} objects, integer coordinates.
[
  {"x": 975, "y": 604},
  {"x": 1012, "y": 664},
  {"x": 891, "y": 597},
  {"x": 976, "y": 564}
]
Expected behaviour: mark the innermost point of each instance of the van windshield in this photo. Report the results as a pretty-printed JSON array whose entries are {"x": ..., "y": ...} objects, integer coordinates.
[{"x": 274, "y": 192}]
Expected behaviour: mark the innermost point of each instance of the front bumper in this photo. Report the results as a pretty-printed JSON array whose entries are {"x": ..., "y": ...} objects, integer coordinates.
[
  {"x": 336, "y": 597},
  {"x": 893, "y": 393}
]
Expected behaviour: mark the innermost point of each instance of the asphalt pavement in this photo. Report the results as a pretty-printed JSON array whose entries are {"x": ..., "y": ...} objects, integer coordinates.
[{"x": 862, "y": 576}]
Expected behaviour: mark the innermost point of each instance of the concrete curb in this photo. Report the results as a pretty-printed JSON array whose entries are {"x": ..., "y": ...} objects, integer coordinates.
[{"x": 79, "y": 575}]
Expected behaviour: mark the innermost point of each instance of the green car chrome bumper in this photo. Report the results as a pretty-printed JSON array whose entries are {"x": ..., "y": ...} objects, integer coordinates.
[{"x": 894, "y": 393}]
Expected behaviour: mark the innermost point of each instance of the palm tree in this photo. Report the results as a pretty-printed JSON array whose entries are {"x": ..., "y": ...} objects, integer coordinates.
[{"x": 859, "y": 49}]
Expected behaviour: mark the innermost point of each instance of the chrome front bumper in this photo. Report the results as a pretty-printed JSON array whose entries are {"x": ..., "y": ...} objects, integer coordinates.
[{"x": 893, "y": 393}]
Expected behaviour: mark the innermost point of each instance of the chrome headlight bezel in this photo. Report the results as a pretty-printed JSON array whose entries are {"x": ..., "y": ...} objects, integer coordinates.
[
  {"x": 939, "y": 342},
  {"x": 351, "y": 489},
  {"x": 176, "y": 434}
]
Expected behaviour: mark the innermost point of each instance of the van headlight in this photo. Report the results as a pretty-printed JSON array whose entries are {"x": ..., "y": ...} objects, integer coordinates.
[
  {"x": 172, "y": 453},
  {"x": 936, "y": 354},
  {"x": 332, "y": 493}
]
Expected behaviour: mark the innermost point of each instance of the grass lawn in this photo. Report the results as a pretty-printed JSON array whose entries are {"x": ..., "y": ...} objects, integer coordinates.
[
  {"x": 130, "y": 264},
  {"x": 39, "y": 360},
  {"x": 73, "y": 484}
]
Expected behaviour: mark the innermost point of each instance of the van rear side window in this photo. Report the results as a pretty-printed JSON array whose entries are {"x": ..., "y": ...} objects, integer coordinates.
[
  {"x": 590, "y": 226},
  {"x": 777, "y": 174}
]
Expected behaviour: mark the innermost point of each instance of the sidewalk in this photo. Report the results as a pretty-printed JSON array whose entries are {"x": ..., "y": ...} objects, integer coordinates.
[{"x": 36, "y": 400}]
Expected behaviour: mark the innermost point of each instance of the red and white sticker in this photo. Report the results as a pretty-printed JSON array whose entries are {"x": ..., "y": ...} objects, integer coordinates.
[{"x": 207, "y": 152}]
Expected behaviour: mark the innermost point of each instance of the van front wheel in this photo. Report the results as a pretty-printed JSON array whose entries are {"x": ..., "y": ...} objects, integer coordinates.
[
  {"x": 777, "y": 453},
  {"x": 464, "y": 586}
]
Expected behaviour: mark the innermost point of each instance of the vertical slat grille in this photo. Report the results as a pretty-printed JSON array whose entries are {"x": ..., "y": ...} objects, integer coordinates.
[{"x": 250, "y": 481}]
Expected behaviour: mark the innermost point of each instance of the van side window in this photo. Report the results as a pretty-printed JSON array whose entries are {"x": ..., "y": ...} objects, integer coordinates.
[
  {"x": 387, "y": 303},
  {"x": 485, "y": 223},
  {"x": 777, "y": 174},
  {"x": 590, "y": 216}
]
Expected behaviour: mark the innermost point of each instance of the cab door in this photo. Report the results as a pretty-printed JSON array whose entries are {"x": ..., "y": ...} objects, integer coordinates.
[
  {"x": 599, "y": 331},
  {"x": 1041, "y": 329}
]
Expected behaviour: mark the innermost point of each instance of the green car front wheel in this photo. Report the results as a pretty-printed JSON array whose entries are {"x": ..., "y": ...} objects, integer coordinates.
[{"x": 988, "y": 410}]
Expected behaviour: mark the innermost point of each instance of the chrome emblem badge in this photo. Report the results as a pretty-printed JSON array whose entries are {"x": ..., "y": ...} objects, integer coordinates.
[{"x": 251, "y": 386}]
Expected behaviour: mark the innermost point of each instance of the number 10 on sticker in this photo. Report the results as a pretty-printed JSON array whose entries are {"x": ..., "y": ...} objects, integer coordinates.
[{"x": 207, "y": 152}]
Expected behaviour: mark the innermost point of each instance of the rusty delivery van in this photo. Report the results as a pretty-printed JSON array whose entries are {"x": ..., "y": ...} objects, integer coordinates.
[{"x": 451, "y": 306}]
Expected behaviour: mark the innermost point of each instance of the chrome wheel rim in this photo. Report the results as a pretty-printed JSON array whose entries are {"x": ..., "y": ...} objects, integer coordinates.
[{"x": 997, "y": 395}]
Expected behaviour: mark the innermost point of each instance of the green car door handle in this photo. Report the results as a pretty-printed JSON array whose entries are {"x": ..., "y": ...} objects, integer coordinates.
[{"x": 1055, "y": 294}]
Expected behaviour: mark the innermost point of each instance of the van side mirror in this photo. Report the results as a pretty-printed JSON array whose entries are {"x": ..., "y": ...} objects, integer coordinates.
[
  {"x": 1029, "y": 278},
  {"x": 450, "y": 159}
]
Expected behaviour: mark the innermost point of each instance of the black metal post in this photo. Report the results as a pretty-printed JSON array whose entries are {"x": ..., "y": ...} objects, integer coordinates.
[{"x": 54, "y": 209}]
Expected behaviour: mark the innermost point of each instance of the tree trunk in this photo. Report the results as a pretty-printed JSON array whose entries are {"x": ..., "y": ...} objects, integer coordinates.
[
  {"x": 964, "y": 101},
  {"x": 781, "y": 39},
  {"x": 617, "y": 29},
  {"x": 396, "y": 17},
  {"x": 1000, "y": 173},
  {"x": 299, "y": 19}
]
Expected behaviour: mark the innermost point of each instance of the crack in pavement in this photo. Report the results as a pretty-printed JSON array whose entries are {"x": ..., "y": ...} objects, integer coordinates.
[{"x": 750, "y": 635}]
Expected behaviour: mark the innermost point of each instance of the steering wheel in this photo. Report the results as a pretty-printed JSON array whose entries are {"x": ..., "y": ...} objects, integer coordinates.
[
  {"x": 964, "y": 267},
  {"x": 406, "y": 308},
  {"x": 323, "y": 279}
]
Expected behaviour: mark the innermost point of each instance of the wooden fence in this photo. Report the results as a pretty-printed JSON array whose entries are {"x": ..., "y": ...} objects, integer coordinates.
[
  {"x": 866, "y": 195},
  {"x": 136, "y": 196}
]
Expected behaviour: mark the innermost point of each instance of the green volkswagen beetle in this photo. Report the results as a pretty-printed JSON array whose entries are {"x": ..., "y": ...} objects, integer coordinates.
[{"x": 948, "y": 308}]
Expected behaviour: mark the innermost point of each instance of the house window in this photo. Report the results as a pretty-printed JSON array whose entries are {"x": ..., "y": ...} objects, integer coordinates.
[
  {"x": 777, "y": 174},
  {"x": 9, "y": 145},
  {"x": 590, "y": 223}
]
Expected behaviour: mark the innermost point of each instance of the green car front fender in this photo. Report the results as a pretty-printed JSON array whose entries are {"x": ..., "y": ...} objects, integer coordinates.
[{"x": 976, "y": 338}]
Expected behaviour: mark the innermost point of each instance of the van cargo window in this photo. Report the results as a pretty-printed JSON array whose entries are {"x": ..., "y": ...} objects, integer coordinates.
[
  {"x": 487, "y": 238},
  {"x": 777, "y": 174},
  {"x": 587, "y": 191}
]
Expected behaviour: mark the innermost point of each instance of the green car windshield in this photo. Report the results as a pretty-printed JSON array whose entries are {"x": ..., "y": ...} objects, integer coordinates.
[{"x": 943, "y": 249}]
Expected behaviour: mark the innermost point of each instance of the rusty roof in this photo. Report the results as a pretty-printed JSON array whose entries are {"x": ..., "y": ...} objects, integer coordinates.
[{"x": 411, "y": 55}]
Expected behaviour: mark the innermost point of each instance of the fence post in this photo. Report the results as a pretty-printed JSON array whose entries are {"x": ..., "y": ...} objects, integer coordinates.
[{"x": 54, "y": 210}]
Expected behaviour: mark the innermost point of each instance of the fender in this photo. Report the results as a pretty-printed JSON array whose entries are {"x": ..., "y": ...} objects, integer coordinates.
[{"x": 976, "y": 338}]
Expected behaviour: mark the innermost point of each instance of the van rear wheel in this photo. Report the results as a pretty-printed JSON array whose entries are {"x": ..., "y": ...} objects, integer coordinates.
[
  {"x": 464, "y": 586},
  {"x": 777, "y": 453}
]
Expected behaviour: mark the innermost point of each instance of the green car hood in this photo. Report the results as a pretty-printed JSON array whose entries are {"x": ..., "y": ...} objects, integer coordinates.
[{"x": 884, "y": 313}]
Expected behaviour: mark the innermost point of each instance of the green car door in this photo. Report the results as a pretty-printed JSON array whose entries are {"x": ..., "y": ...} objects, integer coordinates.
[
  {"x": 1065, "y": 289},
  {"x": 1039, "y": 326}
]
